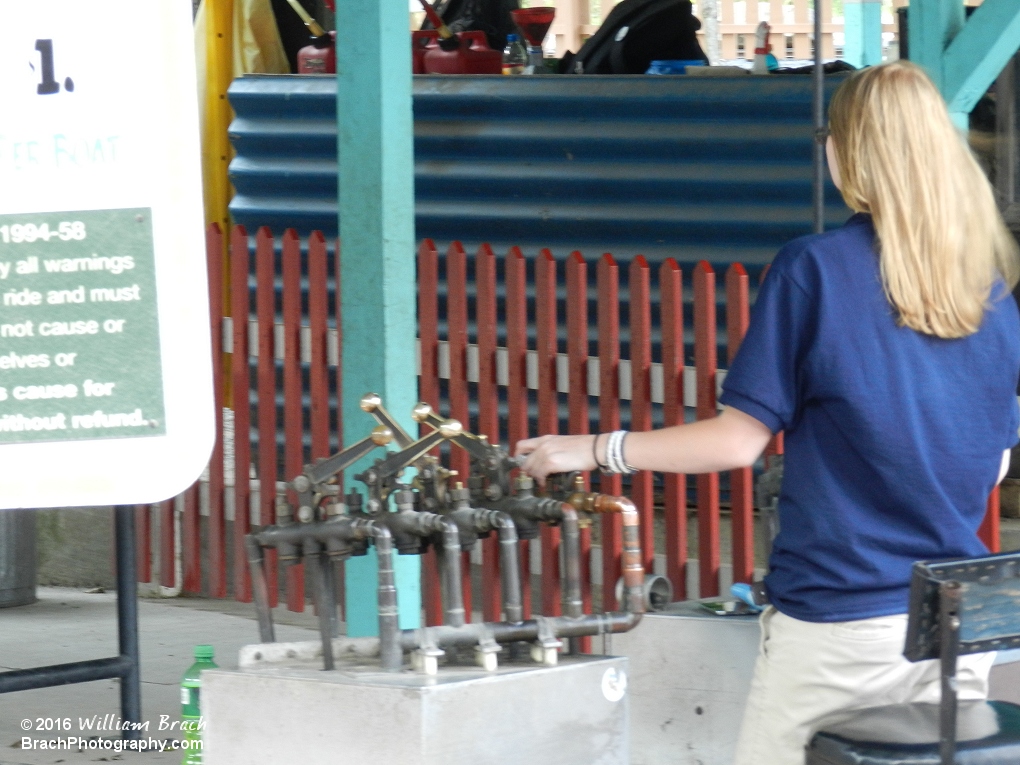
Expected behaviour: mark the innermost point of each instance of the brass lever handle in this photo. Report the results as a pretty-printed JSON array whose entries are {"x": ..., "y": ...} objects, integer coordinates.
[
  {"x": 342, "y": 460},
  {"x": 372, "y": 403}
]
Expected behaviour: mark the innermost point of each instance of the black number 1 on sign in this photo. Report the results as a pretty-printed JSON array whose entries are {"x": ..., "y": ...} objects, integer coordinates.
[{"x": 49, "y": 84}]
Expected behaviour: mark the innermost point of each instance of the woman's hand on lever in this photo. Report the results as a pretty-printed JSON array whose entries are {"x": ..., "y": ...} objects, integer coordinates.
[
  {"x": 731, "y": 440},
  {"x": 556, "y": 454}
]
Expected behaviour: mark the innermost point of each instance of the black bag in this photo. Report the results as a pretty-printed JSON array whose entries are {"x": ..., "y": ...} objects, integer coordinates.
[
  {"x": 637, "y": 32},
  {"x": 490, "y": 16}
]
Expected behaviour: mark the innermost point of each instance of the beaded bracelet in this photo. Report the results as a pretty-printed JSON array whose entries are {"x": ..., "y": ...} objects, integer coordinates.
[{"x": 614, "y": 453}]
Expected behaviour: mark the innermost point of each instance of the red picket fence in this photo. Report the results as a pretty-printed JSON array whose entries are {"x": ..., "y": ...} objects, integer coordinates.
[{"x": 552, "y": 373}]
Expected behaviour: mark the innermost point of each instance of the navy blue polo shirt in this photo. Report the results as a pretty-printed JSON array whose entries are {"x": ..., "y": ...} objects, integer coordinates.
[{"x": 894, "y": 438}]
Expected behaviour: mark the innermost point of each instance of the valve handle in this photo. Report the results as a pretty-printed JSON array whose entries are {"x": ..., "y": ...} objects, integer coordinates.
[
  {"x": 477, "y": 446},
  {"x": 327, "y": 468},
  {"x": 397, "y": 461},
  {"x": 372, "y": 403}
]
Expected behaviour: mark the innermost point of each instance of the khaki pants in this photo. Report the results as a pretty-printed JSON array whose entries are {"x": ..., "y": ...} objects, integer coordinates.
[{"x": 807, "y": 671}]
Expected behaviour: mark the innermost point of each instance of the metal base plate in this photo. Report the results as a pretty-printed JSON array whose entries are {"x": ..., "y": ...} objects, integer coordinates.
[
  {"x": 575, "y": 713},
  {"x": 690, "y": 675}
]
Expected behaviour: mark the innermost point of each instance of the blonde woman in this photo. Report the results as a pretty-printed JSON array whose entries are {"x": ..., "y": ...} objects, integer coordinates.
[{"x": 888, "y": 351}]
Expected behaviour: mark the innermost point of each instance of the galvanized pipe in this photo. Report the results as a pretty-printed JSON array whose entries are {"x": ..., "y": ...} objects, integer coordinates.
[
  {"x": 525, "y": 631},
  {"x": 509, "y": 567},
  {"x": 573, "y": 606},
  {"x": 339, "y": 527},
  {"x": 318, "y": 563},
  {"x": 390, "y": 654},
  {"x": 421, "y": 524},
  {"x": 454, "y": 596},
  {"x": 259, "y": 589}
]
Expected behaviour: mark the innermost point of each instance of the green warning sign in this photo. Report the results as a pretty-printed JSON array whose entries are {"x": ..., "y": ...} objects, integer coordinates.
[{"x": 79, "y": 331}]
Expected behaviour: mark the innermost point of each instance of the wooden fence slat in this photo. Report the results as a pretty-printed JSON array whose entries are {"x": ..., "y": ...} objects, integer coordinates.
[
  {"x": 517, "y": 383},
  {"x": 741, "y": 480},
  {"x": 546, "y": 346},
  {"x": 293, "y": 425},
  {"x": 265, "y": 307},
  {"x": 143, "y": 542},
  {"x": 318, "y": 325},
  {"x": 577, "y": 398},
  {"x": 217, "y": 510},
  {"x": 191, "y": 542},
  {"x": 457, "y": 386},
  {"x": 708, "y": 483},
  {"x": 671, "y": 319},
  {"x": 989, "y": 531},
  {"x": 608, "y": 280},
  {"x": 167, "y": 540},
  {"x": 641, "y": 397},
  {"x": 241, "y": 386},
  {"x": 428, "y": 390},
  {"x": 488, "y": 408}
]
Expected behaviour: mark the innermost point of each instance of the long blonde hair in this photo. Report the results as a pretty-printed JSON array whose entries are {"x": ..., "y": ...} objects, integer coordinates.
[{"x": 941, "y": 240}]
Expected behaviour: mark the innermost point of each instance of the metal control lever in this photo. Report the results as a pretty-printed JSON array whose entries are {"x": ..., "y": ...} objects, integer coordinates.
[
  {"x": 372, "y": 403},
  {"x": 329, "y": 467},
  {"x": 477, "y": 446},
  {"x": 397, "y": 461}
]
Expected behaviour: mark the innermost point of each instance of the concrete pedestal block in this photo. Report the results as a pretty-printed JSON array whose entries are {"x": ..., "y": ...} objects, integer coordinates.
[
  {"x": 690, "y": 673},
  {"x": 576, "y": 713}
]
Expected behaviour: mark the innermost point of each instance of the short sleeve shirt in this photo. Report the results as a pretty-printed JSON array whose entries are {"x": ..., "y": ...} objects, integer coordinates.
[{"x": 893, "y": 438}]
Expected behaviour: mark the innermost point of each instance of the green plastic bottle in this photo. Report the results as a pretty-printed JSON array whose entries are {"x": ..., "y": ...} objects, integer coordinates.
[{"x": 191, "y": 714}]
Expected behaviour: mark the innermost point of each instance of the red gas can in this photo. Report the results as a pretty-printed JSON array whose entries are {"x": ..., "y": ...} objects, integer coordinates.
[{"x": 472, "y": 56}]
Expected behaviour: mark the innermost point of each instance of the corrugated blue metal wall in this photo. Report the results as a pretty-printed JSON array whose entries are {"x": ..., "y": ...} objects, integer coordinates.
[
  {"x": 715, "y": 168},
  {"x": 692, "y": 168}
]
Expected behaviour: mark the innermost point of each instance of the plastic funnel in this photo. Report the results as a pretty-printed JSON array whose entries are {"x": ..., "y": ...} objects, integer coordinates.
[{"x": 534, "y": 23}]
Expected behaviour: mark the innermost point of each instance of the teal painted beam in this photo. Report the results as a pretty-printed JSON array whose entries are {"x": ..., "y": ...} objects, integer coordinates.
[
  {"x": 932, "y": 26},
  {"x": 376, "y": 196},
  {"x": 979, "y": 52},
  {"x": 862, "y": 26}
]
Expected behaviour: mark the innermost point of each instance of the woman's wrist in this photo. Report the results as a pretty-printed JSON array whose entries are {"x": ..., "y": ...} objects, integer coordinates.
[
  {"x": 613, "y": 459},
  {"x": 600, "y": 464}
]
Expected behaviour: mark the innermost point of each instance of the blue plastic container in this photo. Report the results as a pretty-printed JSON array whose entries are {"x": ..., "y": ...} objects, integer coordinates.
[{"x": 678, "y": 66}]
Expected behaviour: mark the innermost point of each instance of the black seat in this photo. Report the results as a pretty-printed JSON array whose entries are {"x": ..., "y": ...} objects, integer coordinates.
[{"x": 956, "y": 608}]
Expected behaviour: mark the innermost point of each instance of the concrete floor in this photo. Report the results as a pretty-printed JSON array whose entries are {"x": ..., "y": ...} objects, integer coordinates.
[{"x": 70, "y": 625}]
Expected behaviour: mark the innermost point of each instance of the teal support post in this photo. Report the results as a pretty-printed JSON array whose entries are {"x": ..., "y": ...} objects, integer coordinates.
[
  {"x": 963, "y": 59},
  {"x": 979, "y": 53},
  {"x": 862, "y": 26},
  {"x": 379, "y": 296},
  {"x": 932, "y": 26}
]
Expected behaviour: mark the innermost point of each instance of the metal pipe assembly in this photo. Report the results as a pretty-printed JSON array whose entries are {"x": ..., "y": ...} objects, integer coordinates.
[{"x": 326, "y": 528}]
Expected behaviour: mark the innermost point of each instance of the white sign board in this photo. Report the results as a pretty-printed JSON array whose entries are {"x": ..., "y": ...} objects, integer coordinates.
[{"x": 106, "y": 390}]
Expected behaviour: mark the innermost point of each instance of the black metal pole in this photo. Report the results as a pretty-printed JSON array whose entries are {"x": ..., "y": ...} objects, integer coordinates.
[
  {"x": 950, "y": 594},
  {"x": 818, "y": 159},
  {"x": 127, "y": 620},
  {"x": 126, "y": 666},
  {"x": 62, "y": 674}
]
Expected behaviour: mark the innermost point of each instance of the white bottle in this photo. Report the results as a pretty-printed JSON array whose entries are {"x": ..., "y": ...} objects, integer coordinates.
[
  {"x": 761, "y": 49},
  {"x": 515, "y": 58}
]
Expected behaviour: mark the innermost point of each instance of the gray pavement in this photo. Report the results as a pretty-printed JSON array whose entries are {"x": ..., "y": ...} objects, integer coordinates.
[{"x": 70, "y": 625}]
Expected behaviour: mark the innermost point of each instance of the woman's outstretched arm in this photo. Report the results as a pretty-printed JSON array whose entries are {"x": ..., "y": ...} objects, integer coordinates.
[{"x": 731, "y": 440}]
